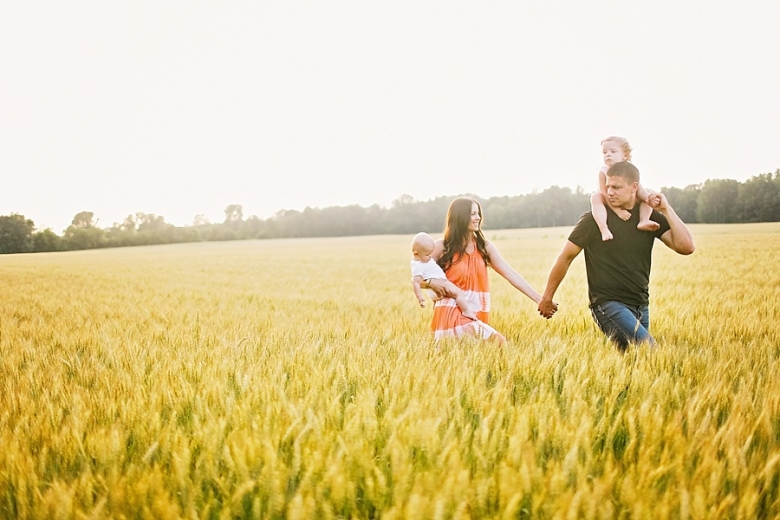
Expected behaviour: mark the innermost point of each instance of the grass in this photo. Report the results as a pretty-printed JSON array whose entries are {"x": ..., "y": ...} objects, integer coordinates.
[{"x": 297, "y": 379}]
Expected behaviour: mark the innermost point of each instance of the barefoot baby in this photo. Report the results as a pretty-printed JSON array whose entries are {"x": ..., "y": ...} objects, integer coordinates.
[{"x": 425, "y": 268}]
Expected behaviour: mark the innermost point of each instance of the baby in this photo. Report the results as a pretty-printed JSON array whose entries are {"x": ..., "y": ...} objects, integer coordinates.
[{"x": 425, "y": 268}]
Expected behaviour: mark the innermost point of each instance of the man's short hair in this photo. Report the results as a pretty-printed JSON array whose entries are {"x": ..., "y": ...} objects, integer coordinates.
[{"x": 625, "y": 170}]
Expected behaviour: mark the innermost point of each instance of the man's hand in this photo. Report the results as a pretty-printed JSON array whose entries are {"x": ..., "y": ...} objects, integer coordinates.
[
  {"x": 653, "y": 199},
  {"x": 438, "y": 286},
  {"x": 661, "y": 204},
  {"x": 547, "y": 308}
]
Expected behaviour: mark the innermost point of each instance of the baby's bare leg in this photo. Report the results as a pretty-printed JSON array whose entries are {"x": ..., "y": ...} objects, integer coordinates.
[
  {"x": 599, "y": 211},
  {"x": 460, "y": 299},
  {"x": 645, "y": 224}
]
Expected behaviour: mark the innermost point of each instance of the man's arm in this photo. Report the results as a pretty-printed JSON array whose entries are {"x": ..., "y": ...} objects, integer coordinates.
[
  {"x": 559, "y": 269},
  {"x": 678, "y": 238}
]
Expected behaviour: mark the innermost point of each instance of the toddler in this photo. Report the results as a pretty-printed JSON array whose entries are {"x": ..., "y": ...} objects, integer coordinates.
[
  {"x": 615, "y": 150},
  {"x": 425, "y": 268}
]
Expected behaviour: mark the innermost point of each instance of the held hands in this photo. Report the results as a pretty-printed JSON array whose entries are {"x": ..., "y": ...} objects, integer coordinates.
[
  {"x": 653, "y": 199},
  {"x": 547, "y": 308},
  {"x": 658, "y": 202}
]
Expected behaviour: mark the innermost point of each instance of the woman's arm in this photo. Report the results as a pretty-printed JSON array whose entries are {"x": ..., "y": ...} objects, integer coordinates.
[
  {"x": 513, "y": 277},
  {"x": 438, "y": 250},
  {"x": 436, "y": 285}
]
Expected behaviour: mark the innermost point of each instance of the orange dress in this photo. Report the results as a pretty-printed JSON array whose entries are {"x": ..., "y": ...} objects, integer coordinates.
[{"x": 469, "y": 272}]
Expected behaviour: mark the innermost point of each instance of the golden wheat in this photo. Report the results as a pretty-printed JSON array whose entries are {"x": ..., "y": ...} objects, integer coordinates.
[{"x": 297, "y": 379}]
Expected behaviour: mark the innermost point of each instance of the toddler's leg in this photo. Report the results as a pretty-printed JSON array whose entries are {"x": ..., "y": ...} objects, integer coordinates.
[
  {"x": 463, "y": 305},
  {"x": 599, "y": 211},
  {"x": 645, "y": 224}
]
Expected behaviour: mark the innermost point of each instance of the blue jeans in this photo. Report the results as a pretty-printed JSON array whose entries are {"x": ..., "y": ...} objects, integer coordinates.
[{"x": 623, "y": 323}]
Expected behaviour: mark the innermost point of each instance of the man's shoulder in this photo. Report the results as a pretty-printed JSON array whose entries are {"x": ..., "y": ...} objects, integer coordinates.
[
  {"x": 584, "y": 230},
  {"x": 585, "y": 219}
]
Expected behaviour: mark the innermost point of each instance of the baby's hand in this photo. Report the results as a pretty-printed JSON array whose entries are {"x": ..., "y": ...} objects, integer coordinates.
[
  {"x": 623, "y": 214},
  {"x": 422, "y": 302}
]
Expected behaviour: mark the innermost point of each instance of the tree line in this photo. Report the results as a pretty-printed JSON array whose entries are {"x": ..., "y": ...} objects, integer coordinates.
[{"x": 714, "y": 201}]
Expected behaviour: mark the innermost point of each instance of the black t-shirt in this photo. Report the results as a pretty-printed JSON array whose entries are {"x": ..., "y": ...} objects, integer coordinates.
[{"x": 618, "y": 269}]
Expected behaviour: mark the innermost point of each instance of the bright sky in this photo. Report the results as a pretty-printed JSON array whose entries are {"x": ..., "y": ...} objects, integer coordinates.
[{"x": 182, "y": 108}]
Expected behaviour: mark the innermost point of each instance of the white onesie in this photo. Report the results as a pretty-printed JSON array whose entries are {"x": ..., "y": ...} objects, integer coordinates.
[{"x": 428, "y": 270}]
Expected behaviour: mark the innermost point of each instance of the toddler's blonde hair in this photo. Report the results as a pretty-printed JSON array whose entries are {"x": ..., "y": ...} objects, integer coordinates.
[
  {"x": 422, "y": 242},
  {"x": 623, "y": 142}
]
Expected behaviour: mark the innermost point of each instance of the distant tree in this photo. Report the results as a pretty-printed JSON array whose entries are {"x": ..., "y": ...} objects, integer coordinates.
[
  {"x": 122, "y": 234},
  {"x": 129, "y": 224},
  {"x": 254, "y": 227},
  {"x": 85, "y": 219},
  {"x": 234, "y": 213},
  {"x": 287, "y": 223},
  {"x": 718, "y": 201},
  {"x": 684, "y": 201},
  {"x": 500, "y": 210},
  {"x": 409, "y": 216},
  {"x": 759, "y": 199},
  {"x": 403, "y": 200},
  {"x": 200, "y": 220},
  {"x": 15, "y": 234},
  {"x": 152, "y": 229},
  {"x": 76, "y": 238},
  {"x": 150, "y": 223},
  {"x": 184, "y": 234},
  {"x": 46, "y": 241}
]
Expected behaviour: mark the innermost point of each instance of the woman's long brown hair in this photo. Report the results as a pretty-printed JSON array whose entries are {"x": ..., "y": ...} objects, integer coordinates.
[{"x": 457, "y": 235}]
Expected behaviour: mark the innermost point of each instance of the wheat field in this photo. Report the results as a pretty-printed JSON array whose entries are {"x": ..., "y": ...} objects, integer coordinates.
[{"x": 297, "y": 379}]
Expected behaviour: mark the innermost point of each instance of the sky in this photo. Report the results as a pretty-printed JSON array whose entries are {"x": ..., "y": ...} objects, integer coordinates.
[{"x": 183, "y": 108}]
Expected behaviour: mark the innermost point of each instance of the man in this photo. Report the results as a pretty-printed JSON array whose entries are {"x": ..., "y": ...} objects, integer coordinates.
[{"x": 618, "y": 270}]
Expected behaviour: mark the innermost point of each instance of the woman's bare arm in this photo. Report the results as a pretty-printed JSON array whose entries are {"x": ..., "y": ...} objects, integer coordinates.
[
  {"x": 438, "y": 286},
  {"x": 513, "y": 277}
]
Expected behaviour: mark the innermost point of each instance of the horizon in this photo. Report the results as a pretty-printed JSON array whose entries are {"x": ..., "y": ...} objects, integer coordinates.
[{"x": 191, "y": 223}]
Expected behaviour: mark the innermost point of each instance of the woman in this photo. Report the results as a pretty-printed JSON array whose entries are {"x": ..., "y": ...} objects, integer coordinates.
[{"x": 465, "y": 255}]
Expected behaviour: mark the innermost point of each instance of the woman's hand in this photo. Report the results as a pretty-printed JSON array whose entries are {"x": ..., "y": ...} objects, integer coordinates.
[
  {"x": 547, "y": 308},
  {"x": 439, "y": 287}
]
